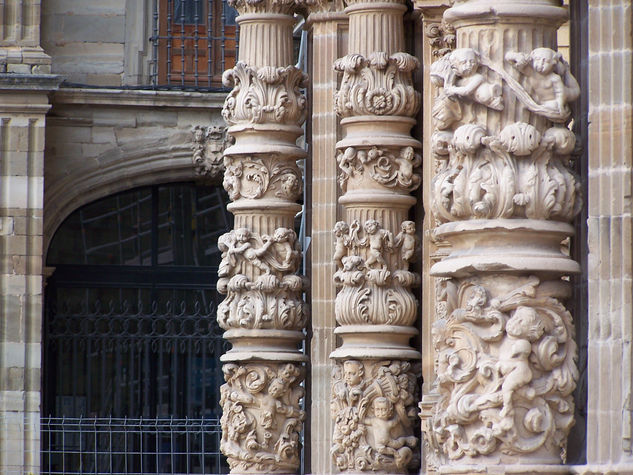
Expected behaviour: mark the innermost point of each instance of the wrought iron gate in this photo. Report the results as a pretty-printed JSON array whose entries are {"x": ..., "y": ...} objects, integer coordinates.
[{"x": 131, "y": 343}]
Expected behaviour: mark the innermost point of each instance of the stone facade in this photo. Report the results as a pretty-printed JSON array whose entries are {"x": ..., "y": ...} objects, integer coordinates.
[{"x": 467, "y": 299}]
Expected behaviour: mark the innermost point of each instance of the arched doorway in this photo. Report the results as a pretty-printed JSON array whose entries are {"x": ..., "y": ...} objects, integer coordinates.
[{"x": 131, "y": 373}]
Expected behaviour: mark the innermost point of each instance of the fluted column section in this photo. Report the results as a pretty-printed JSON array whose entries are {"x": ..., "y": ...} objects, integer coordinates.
[
  {"x": 503, "y": 195},
  {"x": 263, "y": 313},
  {"x": 374, "y": 383}
]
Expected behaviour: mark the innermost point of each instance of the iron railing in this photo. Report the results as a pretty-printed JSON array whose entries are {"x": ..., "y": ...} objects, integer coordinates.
[{"x": 130, "y": 446}]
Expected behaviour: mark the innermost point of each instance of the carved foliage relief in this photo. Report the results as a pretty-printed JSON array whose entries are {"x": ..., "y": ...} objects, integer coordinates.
[
  {"x": 266, "y": 176},
  {"x": 261, "y": 417},
  {"x": 208, "y": 147},
  {"x": 263, "y": 95},
  {"x": 506, "y": 369},
  {"x": 373, "y": 271},
  {"x": 257, "y": 274},
  {"x": 377, "y": 85},
  {"x": 373, "y": 408},
  {"x": 519, "y": 171}
]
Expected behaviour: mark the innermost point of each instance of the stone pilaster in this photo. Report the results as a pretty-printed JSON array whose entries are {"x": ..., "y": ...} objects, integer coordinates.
[
  {"x": 263, "y": 313},
  {"x": 327, "y": 26},
  {"x": 503, "y": 195},
  {"x": 610, "y": 234},
  {"x": 374, "y": 385}
]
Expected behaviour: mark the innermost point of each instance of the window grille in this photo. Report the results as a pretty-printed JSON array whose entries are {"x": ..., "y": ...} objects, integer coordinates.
[
  {"x": 130, "y": 446},
  {"x": 193, "y": 41}
]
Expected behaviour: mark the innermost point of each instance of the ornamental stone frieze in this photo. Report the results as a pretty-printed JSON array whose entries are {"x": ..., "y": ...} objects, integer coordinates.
[
  {"x": 503, "y": 196},
  {"x": 263, "y": 314},
  {"x": 374, "y": 386}
]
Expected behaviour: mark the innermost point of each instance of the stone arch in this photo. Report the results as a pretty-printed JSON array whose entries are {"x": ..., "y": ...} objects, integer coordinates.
[{"x": 121, "y": 168}]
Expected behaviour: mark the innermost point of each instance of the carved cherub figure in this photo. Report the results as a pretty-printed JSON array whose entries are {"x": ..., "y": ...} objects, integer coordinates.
[
  {"x": 379, "y": 241},
  {"x": 232, "y": 178},
  {"x": 547, "y": 79},
  {"x": 241, "y": 251},
  {"x": 523, "y": 328},
  {"x": 406, "y": 240},
  {"x": 383, "y": 425},
  {"x": 284, "y": 245},
  {"x": 467, "y": 81},
  {"x": 407, "y": 161},
  {"x": 341, "y": 230}
]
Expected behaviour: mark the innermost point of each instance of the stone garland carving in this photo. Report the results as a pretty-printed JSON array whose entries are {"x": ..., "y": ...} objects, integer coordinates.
[
  {"x": 261, "y": 417},
  {"x": 373, "y": 408},
  {"x": 442, "y": 38},
  {"x": 393, "y": 170},
  {"x": 262, "y": 177},
  {"x": 372, "y": 290},
  {"x": 265, "y": 94},
  {"x": 506, "y": 369},
  {"x": 519, "y": 173},
  {"x": 272, "y": 299},
  {"x": 377, "y": 85},
  {"x": 208, "y": 146}
]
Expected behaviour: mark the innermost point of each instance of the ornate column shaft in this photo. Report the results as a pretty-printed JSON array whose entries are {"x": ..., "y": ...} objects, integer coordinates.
[
  {"x": 374, "y": 386},
  {"x": 263, "y": 313},
  {"x": 504, "y": 196}
]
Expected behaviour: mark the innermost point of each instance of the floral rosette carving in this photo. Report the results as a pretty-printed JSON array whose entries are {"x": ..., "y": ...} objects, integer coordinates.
[
  {"x": 262, "y": 417},
  {"x": 377, "y": 85},
  {"x": 264, "y": 95},
  {"x": 373, "y": 273},
  {"x": 373, "y": 408},
  {"x": 516, "y": 174},
  {"x": 255, "y": 177},
  {"x": 393, "y": 169},
  {"x": 257, "y": 274},
  {"x": 506, "y": 371}
]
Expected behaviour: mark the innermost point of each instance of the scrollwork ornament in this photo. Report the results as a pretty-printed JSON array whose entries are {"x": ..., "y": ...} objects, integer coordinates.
[
  {"x": 255, "y": 177},
  {"x": 373, "y": 408},
  {"x": 380, "y": 84},
  {"x": 261, "y": 417},
  {"x": 264, "y": 94},
  {"x": 392, "y": 169},
  {"x": 506, "y": 370},
  {"x": 373, "y": 273}
]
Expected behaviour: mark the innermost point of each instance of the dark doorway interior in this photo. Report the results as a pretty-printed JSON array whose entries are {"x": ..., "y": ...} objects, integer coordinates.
[{"x": 131, "y": 370}]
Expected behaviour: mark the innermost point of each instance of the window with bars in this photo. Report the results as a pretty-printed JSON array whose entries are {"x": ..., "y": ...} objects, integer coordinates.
[{"x": 194, "y": 41}]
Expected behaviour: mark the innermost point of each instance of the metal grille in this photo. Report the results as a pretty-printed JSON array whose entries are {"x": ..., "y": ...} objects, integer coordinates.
[
  {"x": 130, "y": 446},
  {"x": 193, "y": 42}
]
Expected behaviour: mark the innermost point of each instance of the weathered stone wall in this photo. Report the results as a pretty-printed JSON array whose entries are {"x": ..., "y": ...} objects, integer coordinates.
[
  {"x": 100, "y": 142},
  {"x": 98, "y": 43}
]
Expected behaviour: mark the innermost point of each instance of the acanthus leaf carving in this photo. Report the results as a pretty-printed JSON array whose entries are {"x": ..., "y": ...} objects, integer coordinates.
[
  {"x": 394, "y": 170},
  {"x": 208, "y": 147},
  {"x": 261, "y": 416},
  {"x": 373, "y": 408},
  {"x": 518, "y": 173},
  {"x": 257, "y": 273},
  {"x": 373, "y": 271},
  {"x": 264, "y": 94},
  {"x": 506, "y": 370},
  {"x": 441, "y": 38},
  {"x": 380, "y": 84}
]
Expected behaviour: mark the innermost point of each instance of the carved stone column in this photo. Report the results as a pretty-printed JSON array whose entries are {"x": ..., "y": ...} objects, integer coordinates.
[
  {"x": 263, "y": 313},
  {"x": 504, "y": 196},
  {"x": 374, "y": 386}
]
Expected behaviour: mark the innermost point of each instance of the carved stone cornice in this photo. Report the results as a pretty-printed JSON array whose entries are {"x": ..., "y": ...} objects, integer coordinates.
[{"x": 284, "y": 7}]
